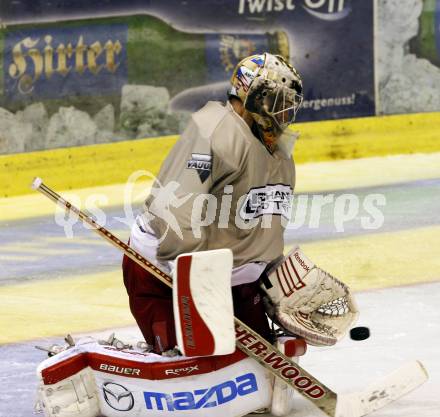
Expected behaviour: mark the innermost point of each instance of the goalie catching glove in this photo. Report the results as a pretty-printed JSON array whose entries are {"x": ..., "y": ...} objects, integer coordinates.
[{"x": 307, "y": 301}]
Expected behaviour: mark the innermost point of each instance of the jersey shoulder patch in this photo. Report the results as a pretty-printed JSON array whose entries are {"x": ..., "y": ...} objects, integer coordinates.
[{"x": 202, "y": 163}]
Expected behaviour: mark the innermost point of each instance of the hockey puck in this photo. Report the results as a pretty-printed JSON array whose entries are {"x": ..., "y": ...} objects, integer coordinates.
[{"x": 359, "y": 333}]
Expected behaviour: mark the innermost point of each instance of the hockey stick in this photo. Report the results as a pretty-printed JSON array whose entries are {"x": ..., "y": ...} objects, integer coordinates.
[{"x": 251, "y": 343}]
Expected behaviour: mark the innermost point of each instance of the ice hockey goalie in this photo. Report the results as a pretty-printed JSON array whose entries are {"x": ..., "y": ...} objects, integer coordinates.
[{"x": 91, "y": 379}]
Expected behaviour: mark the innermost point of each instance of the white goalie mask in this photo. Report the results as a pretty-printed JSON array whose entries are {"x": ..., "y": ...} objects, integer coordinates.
[{"x": 271, "y": 91}]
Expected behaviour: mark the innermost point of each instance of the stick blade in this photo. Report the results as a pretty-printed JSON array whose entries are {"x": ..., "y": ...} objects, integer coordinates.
[{"x": 382, "y": 392}]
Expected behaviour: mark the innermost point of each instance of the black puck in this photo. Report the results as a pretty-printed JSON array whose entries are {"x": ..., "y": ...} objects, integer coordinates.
[{"x": 359, "y": 333}]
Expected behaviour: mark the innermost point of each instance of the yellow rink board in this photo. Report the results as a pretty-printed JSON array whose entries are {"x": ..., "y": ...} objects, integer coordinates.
[
  {"x": 96, "y": 165},
  {"x": 97, "y": 301},
  {"x": 311, "y": 177}
]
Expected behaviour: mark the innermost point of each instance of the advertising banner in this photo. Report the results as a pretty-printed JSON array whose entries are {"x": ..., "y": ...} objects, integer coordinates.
[
  {"x": 57, "y": 62},
  {"x": 83, "y": 53}
]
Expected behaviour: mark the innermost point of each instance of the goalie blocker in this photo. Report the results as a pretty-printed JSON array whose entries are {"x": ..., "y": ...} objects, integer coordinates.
[{"x": 202, "y": 303}]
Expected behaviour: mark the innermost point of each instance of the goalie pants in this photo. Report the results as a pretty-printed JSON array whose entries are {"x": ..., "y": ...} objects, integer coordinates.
[{"x": 152, "y": 307}]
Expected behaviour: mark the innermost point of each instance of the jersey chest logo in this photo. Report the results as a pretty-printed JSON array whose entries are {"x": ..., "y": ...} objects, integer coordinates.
[
  {"x": 202, "y": 163},
  {"x": 273, "y": 199}
]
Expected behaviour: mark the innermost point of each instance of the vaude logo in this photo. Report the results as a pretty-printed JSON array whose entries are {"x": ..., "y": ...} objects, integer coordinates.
[
  {"x": 271, "y": 199},
  {"x": 117, "y": 396},
  {"x": 321, "y": 9},
  {"x": 202, "y": 163},
  {"x": 202, "y": 398}
]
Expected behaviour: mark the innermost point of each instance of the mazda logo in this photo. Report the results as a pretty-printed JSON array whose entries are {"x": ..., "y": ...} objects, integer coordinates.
[{"x": 117, "y": 396}]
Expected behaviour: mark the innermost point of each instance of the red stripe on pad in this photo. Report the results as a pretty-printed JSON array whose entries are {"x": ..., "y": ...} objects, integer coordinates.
[
  {"x": 197, "y": 338},
  {"x": 134, "y": 369}
]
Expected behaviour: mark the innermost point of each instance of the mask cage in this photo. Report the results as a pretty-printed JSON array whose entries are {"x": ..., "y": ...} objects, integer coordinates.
[{"x": 267, "y": 98}]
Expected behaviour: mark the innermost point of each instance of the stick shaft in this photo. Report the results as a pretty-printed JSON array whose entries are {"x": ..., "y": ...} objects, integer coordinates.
[
  {"x": 106, "y": 234},
  {"x": 247, "y": 340}
]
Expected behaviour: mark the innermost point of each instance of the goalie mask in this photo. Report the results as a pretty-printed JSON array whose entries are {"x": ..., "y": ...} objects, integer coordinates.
[{"x": 271, "y": 91}]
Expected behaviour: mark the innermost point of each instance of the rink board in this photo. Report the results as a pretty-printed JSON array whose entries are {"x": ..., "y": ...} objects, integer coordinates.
[{"x": 97, "y": 165}]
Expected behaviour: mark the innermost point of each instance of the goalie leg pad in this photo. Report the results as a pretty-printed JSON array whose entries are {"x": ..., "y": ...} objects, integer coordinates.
[
  {"x": 71, "y": 397},
  {"x": 91, "y": 380}
]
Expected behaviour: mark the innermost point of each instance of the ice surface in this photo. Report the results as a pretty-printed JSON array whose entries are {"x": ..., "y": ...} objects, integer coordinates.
[{"x": 404, "y": 323}]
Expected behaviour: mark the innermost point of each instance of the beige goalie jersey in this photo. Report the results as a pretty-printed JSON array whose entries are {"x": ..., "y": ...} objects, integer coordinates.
[{"x": 219, "y": 187}]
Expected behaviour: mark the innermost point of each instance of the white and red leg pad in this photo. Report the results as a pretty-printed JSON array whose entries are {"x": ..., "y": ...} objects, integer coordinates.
[
  {"x": 91, "y": 380},
  {"x": 283, "y": 394},
  {"x": 202, "y": 300}
]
